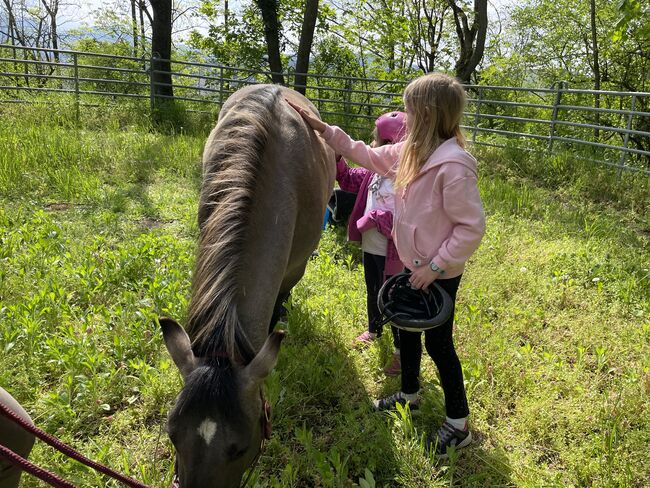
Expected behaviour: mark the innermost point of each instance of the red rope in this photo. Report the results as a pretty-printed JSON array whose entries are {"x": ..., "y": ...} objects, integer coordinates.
[
  {"x": 31, "y": 468},
  {"x": 57, "y": 444}
]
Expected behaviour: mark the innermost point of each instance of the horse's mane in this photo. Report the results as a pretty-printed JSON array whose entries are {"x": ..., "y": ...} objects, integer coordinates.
[
  {"x": 212, "y": 383},
  {"x": 229, "y": 178}
]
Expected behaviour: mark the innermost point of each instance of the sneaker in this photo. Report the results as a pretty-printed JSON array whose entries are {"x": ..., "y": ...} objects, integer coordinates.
[
  {"x": 389, "y": 402},
  {"x": 365, "y": 338},
  {"x": 395, "y": 366},
  {"x": 446, "y": 437}
]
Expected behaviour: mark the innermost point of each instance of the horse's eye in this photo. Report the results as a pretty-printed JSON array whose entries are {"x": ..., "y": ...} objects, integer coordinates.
[{"x": 235, "y": 452}]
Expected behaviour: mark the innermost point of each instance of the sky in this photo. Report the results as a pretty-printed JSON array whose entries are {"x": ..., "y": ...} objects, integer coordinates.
[{"x": 78, "y": 13}]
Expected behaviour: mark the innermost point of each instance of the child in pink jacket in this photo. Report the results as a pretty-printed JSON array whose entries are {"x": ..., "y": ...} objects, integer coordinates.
[
  {"x": 371, "y": 223},
  {"x": 439, "y": 223}
]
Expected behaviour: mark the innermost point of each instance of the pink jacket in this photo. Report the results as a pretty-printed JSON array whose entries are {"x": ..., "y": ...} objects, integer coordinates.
[
  {"x": 357, "y": 180},
  {"x": 438, "y": 216}
]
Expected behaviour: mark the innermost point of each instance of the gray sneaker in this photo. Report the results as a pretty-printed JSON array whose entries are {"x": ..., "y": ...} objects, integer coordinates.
[
  {"x": 446, "y": 437},
  {"x": 388, "y": 403}
]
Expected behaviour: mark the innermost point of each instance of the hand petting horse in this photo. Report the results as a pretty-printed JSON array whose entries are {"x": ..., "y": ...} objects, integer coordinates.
[{"x": 267, "y": 177}]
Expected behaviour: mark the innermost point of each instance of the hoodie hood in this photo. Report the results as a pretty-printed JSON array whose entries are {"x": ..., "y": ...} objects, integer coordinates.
[{"x": 449, "y": 152}]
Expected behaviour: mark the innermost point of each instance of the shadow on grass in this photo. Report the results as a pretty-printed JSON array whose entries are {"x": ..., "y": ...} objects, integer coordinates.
[
  {"x": 476, "y": 465},
  {"x": 325, "y": 431}
]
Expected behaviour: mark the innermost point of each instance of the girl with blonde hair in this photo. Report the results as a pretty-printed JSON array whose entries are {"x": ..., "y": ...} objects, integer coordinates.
[{"x": 438, "y": 224}]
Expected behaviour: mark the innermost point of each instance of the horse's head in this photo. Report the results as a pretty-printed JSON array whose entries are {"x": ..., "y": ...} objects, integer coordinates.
[{"x": 219, "y": 420}]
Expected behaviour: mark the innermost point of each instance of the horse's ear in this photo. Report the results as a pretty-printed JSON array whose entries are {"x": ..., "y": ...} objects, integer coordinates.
[
  {"x": 262, "y": 364},
  {"x": 179, "y": 345}
]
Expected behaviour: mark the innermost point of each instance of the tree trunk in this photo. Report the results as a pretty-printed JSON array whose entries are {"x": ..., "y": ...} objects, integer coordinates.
[
  {"x": 269, "y": 10},
  {"x": 161, "y": 47},
  {"x": 54, "y": 34},
  {"x": 143, "y": 38},
  {"x": 304, "y": 47},
  {"x": 52, "y": 10},
  {"x": 471, "y": 39},
  {"x": 13, "y": 26},
  {"x": 134, "y": 27},
  {"x": 226, "y": 14},
  {"x": 596, "y": 67}
]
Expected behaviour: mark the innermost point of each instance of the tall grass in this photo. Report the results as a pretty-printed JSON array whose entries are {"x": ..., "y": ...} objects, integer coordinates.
[{"x": 98, "y": 234}]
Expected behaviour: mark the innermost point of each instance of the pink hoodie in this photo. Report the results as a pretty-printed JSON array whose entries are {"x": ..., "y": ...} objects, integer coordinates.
[
  {"x": 438, "y": 216},
  {"x": 357, "y": 180}
]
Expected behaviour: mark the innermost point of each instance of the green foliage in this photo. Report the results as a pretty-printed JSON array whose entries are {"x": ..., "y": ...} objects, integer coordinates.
[
  {"x": 633, "y": 21},
  {"x": 551, "y": 41},
  {"x": 239, "y": 43}
]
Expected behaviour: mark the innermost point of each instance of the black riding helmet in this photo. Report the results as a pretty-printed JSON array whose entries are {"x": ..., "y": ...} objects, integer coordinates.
[{"x": 410, "y": 309}]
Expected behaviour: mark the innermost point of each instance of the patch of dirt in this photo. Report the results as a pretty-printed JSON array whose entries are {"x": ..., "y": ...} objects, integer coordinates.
[
  {"x": 62, "y": 206},
  {"x": 151, "y": 223},
  {"x": 59, "y": 207}
]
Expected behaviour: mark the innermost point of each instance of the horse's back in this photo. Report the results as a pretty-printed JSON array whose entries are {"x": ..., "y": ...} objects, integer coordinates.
[{"x": 292, "y": 155}]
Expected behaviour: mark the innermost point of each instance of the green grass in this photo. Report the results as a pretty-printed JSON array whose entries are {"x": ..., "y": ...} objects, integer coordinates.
[{"x": 97, "y": 238}]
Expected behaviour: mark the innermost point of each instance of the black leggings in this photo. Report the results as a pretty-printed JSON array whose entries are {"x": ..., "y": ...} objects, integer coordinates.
[
  {"x": 373, "y": 271},
  {"x": 440, "y": 346}
]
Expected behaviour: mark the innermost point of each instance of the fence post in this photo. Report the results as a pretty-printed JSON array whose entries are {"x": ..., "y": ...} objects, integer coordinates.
[
  {"x": 477, "y": 113},
  {"x": 558, "y": 98},
  {"x": 348, "y": 101},
  {"x": 76, "y": 85},
  {"x": 627, "y": 136},
  {"x": 152, "y": 84},
  {"x": 220, "y": 86},
  {"x": 320, "y": 97}
]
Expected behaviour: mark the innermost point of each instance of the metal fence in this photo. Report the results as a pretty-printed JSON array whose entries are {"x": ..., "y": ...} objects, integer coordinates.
[{"x": 605, "y": 127}]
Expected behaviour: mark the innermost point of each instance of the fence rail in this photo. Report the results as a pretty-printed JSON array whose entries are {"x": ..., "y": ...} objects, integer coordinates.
[{"x": 606, "y": 127}]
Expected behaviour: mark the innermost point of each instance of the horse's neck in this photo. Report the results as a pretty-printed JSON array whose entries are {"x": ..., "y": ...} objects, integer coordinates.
[
  {"x": 265, "y": 253},
  {"x": 284, "y": 228}
]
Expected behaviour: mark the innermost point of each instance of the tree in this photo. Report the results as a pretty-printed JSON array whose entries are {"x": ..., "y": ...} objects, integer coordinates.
[
  {"x": 269, "y": 9},
  {"x": 134, "y": 25},
  {"x": 304, "y": 47},
  {"x": 233, "y": 38},
  {"x": 161, "y": 47},
  {"x": 52, "y": 9},
  {"x": 595, "y": 64},
  {"x": 471, "y": 38},
  {"x": 426, "y": 31}
]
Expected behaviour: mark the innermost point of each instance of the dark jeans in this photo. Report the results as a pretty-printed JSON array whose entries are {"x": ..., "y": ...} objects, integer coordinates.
[
  {"x": 440, "y": 346},
  {"x": 373, "y": 271}
]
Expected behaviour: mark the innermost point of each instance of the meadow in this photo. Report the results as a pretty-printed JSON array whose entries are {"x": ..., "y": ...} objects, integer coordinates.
[{"x": 98, "y": 237}]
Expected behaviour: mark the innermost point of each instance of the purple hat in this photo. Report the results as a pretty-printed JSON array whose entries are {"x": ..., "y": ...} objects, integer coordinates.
[{"x": 391, "y": 126}]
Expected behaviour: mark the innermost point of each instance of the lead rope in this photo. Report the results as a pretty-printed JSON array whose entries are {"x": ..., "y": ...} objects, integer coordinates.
[
  {"x": 31, "y": 468},
  {"x": 67, "y": 450}
]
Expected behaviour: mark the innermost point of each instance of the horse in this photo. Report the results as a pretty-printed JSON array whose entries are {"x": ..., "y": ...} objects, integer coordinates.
[
  {"x": 14, "y": 438},
  {"x": 267, "y": 178}
]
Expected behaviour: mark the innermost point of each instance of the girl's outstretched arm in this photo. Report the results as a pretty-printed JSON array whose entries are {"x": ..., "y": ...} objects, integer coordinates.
[{"x": 381, "y": 160}]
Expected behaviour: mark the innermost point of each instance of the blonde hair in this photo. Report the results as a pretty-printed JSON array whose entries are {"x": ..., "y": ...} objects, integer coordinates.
[
  {"x": 434, "y": 105},
  {"x": 376, "y": 140}
]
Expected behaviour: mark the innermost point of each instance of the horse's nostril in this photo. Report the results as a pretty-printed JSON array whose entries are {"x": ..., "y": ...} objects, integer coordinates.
[{"x": 235, "y": 452}]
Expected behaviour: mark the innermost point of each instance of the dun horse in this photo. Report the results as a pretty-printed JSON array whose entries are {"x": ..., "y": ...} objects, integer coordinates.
[{"x": 266, "y": 181}]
